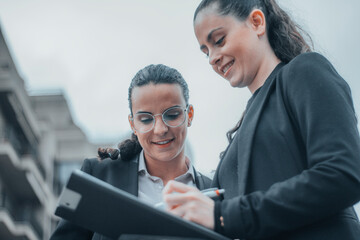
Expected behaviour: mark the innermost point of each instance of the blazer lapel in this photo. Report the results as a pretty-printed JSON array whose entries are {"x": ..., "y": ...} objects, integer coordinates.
[
  {"x": 245, "y": 135},
  {"x": 199, "y": 180},
  {"x": 128, "y": 176}
]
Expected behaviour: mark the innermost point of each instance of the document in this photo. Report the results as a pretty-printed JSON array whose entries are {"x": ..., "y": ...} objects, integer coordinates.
[{"x": 105, "y": 209}]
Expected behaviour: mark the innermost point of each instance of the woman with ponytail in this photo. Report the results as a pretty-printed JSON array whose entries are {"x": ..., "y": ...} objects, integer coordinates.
[
  {"x": 160, "y": 115},
  {"x": 292, "y": 166}
]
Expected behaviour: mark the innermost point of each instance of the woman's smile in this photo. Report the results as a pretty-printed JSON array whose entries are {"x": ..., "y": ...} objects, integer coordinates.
[{"x": 163, "y": 143}]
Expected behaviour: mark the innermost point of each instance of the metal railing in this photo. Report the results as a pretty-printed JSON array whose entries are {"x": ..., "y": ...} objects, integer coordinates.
[
  {"x": 20, "y": 212},
  {"x": 21, "y": 146}
]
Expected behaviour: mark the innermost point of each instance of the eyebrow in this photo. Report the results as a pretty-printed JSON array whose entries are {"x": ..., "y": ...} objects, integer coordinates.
[
  {"x": 209, "y": 36},
  {"x": 142, "y": 112},
  {"x": 162, "y": 112}
]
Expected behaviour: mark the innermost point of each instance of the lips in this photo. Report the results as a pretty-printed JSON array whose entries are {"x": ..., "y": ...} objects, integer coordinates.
[
  {"x": 163, "y": 142},
  {"x": 225, "y": 68}
]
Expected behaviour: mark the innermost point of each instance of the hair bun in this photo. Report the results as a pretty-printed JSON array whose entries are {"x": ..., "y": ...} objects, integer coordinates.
[
  {"x": 129, "y": 148},
  {"x": 104, "y": 153}
]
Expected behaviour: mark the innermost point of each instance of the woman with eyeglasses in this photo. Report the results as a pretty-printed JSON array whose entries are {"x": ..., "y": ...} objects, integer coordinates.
[
  {"x": 160, "y": 115},
  {"x": 292, "y": 166}
]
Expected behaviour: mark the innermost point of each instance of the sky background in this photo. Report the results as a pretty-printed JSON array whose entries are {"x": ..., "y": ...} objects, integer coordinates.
[{"x": 91, "y": 49}]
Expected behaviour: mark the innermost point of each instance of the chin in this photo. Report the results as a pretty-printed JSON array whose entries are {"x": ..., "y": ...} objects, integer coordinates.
[
  {"x": 237, "y": 84},
  {"x": 165, "y": 157},
  {"x": 234, "y": 84}
]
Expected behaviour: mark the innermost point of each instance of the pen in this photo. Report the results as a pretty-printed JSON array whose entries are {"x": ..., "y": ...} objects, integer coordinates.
[
  {"x": 210, "y": 192},
  {"x": 213, "y": 192}
]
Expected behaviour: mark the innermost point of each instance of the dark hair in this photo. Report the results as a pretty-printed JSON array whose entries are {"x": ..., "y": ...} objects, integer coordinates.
[
  {"x": 155, "y": 74},
  {"x": 285, "y": 36},
  {"x": 158, "y": 74}
]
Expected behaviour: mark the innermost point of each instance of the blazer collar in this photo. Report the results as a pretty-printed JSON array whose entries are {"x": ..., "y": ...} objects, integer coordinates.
[
  {"x": 128, "y": 175},
  {"x": 245, "y": 135},
  {"x": 199, "y": 180}
]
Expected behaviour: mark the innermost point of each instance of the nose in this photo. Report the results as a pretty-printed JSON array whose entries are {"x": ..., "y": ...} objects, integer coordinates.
[
  {"x": 160, "y": 127},
  {"x": 214, "y": 57}
]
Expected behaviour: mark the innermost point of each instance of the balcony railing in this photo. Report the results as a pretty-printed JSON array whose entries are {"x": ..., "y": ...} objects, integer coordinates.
[
  {"x": 21, "y": 147},
  {"x": 20, "y": 212},
  {"x": 15, "y": 129}
]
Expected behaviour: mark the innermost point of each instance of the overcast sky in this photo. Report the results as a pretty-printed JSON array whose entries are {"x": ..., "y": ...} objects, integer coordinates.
[{"x": 91, "y": 49}]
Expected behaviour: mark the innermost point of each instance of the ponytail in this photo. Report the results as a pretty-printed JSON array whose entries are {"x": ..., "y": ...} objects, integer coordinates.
[
  {"x": 127, "y": 149},
  {"x": 285, "y": 36}
]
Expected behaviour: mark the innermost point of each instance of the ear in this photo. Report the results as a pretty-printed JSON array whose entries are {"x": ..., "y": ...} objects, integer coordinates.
[
  {"x": 190, "y": 113},
  {"x": 258, "y": 21},
  {"x": 131, "y": 124}
]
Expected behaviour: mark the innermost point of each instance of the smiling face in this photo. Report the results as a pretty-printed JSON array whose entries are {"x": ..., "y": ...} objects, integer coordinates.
[
  {"x": 234, "y": 47},
  {"x": 162, "y": 143}
]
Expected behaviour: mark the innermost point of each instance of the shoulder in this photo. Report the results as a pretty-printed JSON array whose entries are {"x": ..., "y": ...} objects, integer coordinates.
[
  {"x": 310, "y": 70},
  {"x": 94, "y": 166},
  {"x": 308, "y": 59},
  {"x": 307, "y": 64}
]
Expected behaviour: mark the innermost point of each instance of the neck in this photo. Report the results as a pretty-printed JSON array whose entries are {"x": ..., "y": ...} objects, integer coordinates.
[
  {"x": 267, "y": 65},
  {"x": 167, "y": 170}
]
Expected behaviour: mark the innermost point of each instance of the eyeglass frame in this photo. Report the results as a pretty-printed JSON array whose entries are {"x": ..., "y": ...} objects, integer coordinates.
[{"x": 131, "y": 117}]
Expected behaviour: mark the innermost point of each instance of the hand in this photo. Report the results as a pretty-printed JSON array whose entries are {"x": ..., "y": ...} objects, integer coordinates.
[{"x": 189, "y": 204}]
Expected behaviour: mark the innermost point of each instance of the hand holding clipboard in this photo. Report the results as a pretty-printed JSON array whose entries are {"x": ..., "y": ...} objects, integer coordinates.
[{"x": 103, "y": 208}]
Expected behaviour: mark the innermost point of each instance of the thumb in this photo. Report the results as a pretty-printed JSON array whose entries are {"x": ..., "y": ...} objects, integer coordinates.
[{"x": 174, "y": 186}]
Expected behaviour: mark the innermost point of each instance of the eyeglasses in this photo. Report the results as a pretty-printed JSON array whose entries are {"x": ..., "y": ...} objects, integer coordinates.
[{"x": 172, "y": 117}]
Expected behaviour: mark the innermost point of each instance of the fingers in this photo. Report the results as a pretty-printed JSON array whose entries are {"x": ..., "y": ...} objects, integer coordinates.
[
  {"x": 173, "y": 200},
  {"x": 196, "y": 211},
  {"x": 189, "y": 203},
  {"x": 176, "y": 193},
  {"x": 174, "y": 186}
]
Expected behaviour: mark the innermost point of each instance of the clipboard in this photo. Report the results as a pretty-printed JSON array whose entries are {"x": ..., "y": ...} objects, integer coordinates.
[{"x": 100, "y": 207}]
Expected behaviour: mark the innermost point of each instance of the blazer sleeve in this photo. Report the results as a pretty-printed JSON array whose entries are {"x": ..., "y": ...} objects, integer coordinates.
[
  {"x": 320, "y": 103},
  {"x": 68, "y": 230}
]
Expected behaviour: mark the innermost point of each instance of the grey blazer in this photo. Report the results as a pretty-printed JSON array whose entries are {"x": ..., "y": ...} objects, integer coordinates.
[{"x": 122, "y": 174}]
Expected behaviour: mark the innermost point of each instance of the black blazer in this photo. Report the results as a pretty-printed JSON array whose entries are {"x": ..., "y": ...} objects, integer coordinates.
[
  {"x": 292, "y": 170},
  {"x": 122, "y": 174}
]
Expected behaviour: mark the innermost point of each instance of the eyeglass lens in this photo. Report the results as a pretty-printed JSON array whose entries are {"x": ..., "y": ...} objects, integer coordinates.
[{"x": 172, "y": 117}]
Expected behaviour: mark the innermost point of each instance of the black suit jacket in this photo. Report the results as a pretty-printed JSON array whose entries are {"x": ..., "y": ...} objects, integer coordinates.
[
  {"x": 292, "y": 170},
  {"x": 122, "y": 174}
]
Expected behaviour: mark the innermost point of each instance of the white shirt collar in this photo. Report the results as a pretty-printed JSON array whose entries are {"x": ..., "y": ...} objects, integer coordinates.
[{"x": 143, "y": 170}]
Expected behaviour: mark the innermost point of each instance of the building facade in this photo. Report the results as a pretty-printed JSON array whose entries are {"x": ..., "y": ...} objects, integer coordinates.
[{"x": 39, "y": 147}]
